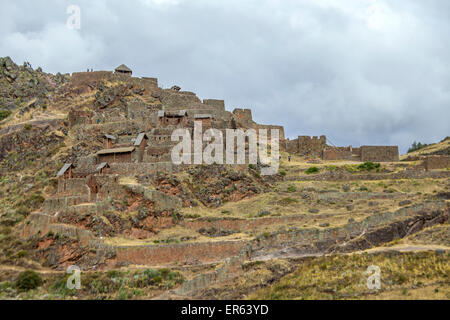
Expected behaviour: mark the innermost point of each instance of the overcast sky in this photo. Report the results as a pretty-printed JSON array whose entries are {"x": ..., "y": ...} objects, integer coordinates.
[{"x": 359, "y": 71}]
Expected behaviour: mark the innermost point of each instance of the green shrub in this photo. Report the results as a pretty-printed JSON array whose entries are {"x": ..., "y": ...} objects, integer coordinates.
[
  {"x": 4, "y": 114},
  {"x": 28, "y": 280},
  {"x": 287, "y": 201},
  {"x": 23, "y": 211},
  {"x": 369, "y": 166},
  {"x": 4, "y": 285},
  {"x": 291, "y": 189},
  {"x": 283, "y": 173},
  {"x": 59, "y": 287},
  {"x": 113, "y": 273},
  {"x": 251, "y": 166},
  {"x": 312, "y": 170},
  {"x": 21, "y": 254},
  {"x": 350, "y": 168},
  {"x": 123, "y": 294},
  {"x": 27, "y": 126}
]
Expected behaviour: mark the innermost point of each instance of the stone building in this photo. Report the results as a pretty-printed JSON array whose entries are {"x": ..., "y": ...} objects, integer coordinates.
[
  {"x": 436, "y": 162},
  {"x": 379, "y": 153},
  {"x": 155, "y": 112},
  {"x": 140, "y": 144},
  {"x": 307, "y": 146},
  {"x": 109, "y": 141},
  {"x": 126, "y": 154},
  {"x": 65, "y": 173},
  {"x": 102, "y": 168},
  {"x": 175, "y": 118},
  {"x": 206, "y": 120},
  {"x": 317, "y": 147},
  {"x": 123, "y": 69}
]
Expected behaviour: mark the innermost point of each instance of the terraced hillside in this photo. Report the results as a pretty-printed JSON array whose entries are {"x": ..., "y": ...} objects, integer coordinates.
[{"x": 153, "y": 230}]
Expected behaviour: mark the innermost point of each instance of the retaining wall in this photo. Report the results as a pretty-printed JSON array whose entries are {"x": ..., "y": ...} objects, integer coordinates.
[{"x": 191, "y": 253}]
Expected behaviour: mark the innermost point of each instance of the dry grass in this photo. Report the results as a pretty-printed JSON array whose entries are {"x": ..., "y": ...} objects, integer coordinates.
[
  {"x": 128, "y": 180},
  {"x": 343, "y": 277},
  {"x": 430, "y": 149}
]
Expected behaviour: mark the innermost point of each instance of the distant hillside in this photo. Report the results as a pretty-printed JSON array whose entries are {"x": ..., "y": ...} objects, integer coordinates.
[{"x": 440, "y": 148}]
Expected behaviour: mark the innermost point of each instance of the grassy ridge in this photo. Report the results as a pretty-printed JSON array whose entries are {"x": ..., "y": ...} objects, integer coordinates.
[{"x": 343, "y": 277}]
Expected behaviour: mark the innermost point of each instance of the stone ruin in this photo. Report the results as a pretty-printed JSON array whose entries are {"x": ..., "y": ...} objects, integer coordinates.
[
  {"x": 317, "y": 147},
  {"x": 136, "y": 133}
]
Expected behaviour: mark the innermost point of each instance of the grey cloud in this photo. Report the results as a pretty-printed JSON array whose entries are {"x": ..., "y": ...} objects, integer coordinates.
[{"x": 359, "y": 73}]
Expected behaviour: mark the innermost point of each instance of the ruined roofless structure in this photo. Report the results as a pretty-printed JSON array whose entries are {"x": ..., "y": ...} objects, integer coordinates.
[
  {"x": 123, "y": 69},
  {"x": 136, "y": 128}
]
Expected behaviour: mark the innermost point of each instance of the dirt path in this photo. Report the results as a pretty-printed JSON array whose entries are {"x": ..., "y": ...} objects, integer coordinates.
[
  {"x": 407, "y": 248},
  {"x": 20, "y": 269}
]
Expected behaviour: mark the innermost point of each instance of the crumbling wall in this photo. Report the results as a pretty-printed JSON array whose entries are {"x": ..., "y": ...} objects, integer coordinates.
[
  {"x": 269, "y": 127},
  {"x": 337, "y": 153},
  {"x": 379, "y": 153},
  {"x": 80, "y": 117},
  {"x": 243, "y": 117},
  {"x": 196, "y": 253},
  {"x": 55, "y": 204},
  {"x": 90, "y": 78},
  {"x": 125, "y": 157},
  {"x": 216, "y": 104},
  {"x": 110, "y": 187},
  {"x": 307, "y": 146},
  {"x": 157, "y": 154},
  {"x": 176, "y": 100},
  {"x": 291, "y": 145},
  {"x": 436, "y": 162},
  {"x": 73, "y": 186},
  {"x": 132, "y": 169}
]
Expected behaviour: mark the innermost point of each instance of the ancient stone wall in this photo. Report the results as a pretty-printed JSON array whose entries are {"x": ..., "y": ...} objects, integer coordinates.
[
  {"x": 73, "y": 186},
  {"x": 269, "y": 127},
  {"x": 175, "y": 100},
  {"x": 127, "y": 127},
  {"x": 80, "y": 117},
  {"x": 55, "y": 204},
  {"x": 243, "y": 116},
  {"x": 196, "y": 253},
  {"x": 216, "y": 104},
  {"x": 436, "y": 162},
  {"x": 162, "y": 201},
  {"x": 307, "y": 146},
  {"x": 159, "y": 139},
  {"x": 125, "y": 157},
  {"x": 90, "y": 78},
  {"x": 110, "y": 187},
  {"x": 138, "y": 110},
  {"x": 132, "y": 169},
  {"x": 157, "y": 154},
  {"x": 97, "y": 77},
  {"x": 337, "y": 153},
  {"x": 379, "y": 153}
]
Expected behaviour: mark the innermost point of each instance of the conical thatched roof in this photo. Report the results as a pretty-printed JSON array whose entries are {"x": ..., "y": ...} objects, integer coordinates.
[{"x": 123, "y": 68}]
